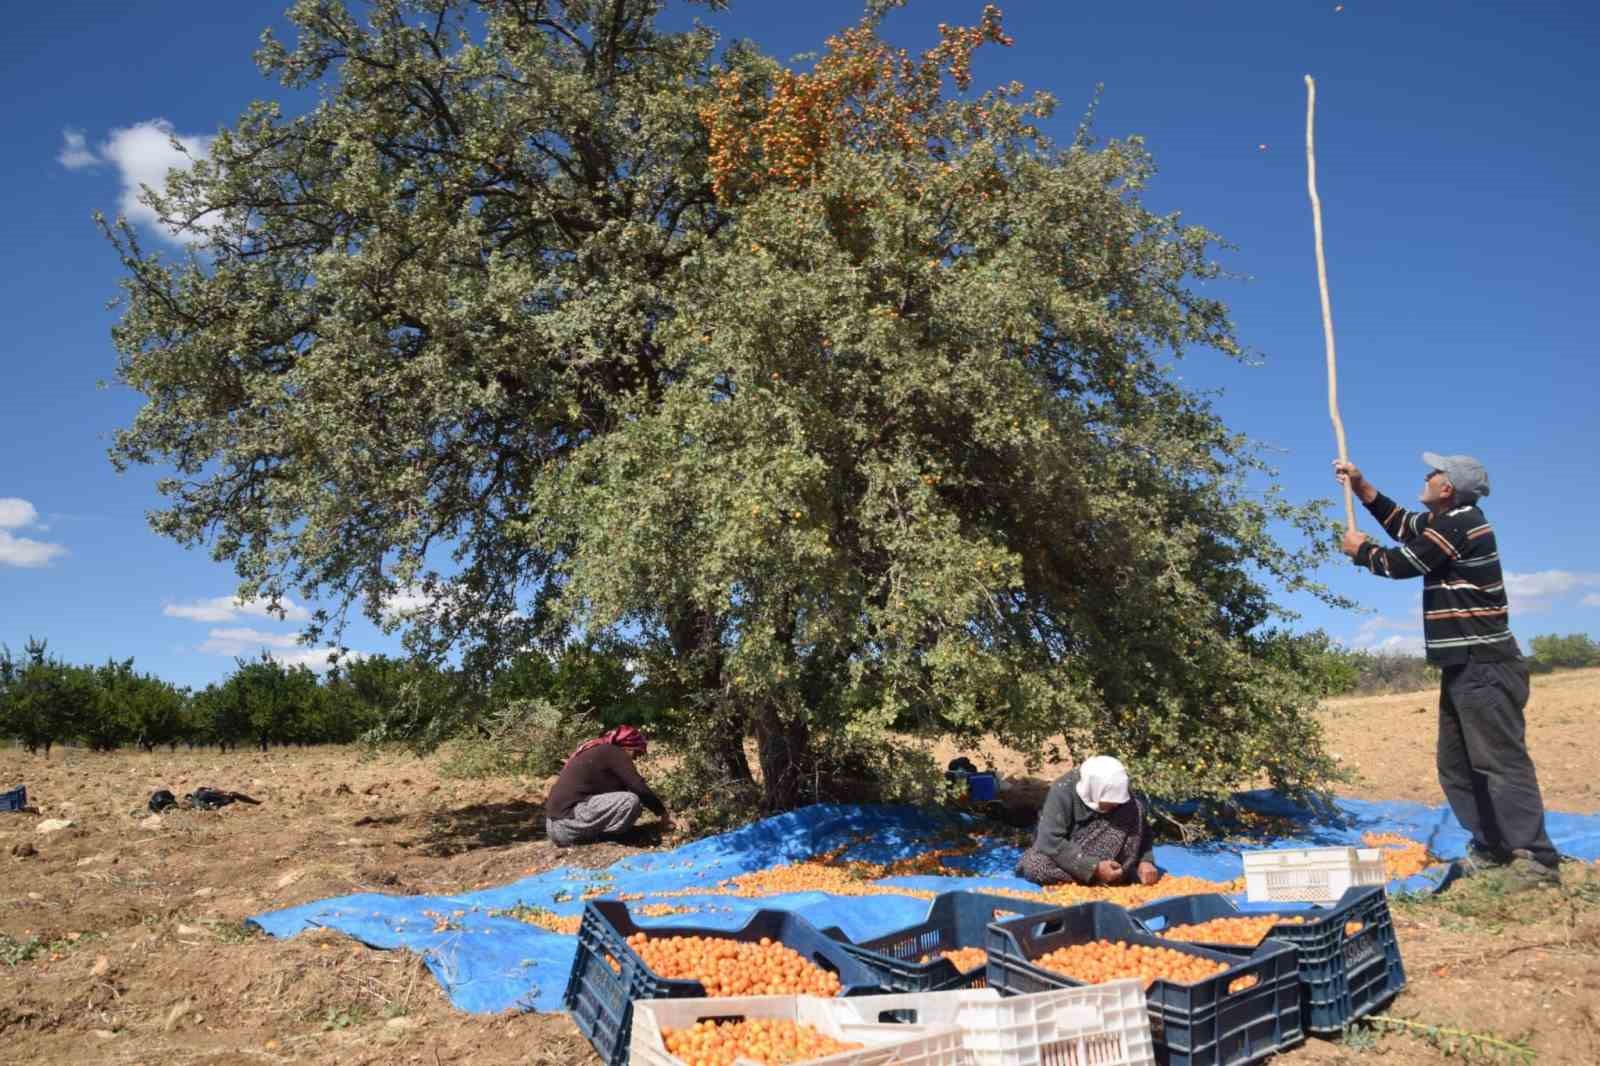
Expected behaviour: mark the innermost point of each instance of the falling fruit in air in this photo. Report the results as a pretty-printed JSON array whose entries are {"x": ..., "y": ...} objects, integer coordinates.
[{"x": 1261, "y": 148}]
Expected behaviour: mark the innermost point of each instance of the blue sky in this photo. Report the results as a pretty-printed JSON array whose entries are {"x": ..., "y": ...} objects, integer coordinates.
[{"x": 1454, "y": 144}]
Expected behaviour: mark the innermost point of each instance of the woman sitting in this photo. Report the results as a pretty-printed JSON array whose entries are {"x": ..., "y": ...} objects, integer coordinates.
[
  {"x": 1092, "y": 831},
  {"x": 598, "y": 792}
]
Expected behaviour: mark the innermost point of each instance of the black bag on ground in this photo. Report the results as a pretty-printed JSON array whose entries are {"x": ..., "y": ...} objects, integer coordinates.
[
  {"x": 206, "y": 798},
  {"x": 160, "y": 800}
]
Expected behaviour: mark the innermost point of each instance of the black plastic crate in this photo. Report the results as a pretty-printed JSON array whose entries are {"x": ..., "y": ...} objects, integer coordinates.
[
  {"x": 955, "y": 920},
  {"x": 1342, "y": 976},
  {"x": 600, "y": 998},
  {"x": 1202, "y": 1024}
]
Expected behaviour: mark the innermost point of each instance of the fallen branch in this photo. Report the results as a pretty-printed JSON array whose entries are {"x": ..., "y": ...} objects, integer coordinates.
[{"x": 1452, "y": 1041}]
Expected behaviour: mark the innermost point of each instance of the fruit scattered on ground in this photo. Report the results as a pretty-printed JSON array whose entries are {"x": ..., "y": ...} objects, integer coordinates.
[{"x": 1402, "y": 856}]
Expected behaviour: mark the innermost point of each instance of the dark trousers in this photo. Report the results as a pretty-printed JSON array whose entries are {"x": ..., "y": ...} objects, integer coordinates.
[{"x": 1484, "y": 767}]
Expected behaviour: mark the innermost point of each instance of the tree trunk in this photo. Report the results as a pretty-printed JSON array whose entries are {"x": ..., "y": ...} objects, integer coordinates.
[
  {"x": 695, "y": 634},
  {"x": 726, "y": 749},
  {"x": 782, "y": 744}
]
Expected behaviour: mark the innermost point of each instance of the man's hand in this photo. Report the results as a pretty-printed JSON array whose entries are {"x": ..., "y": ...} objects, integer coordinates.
[
  {"x": 1352, "y": 542},
  {"x": 1107, "y": 872},
  {"x": 1149, "y": 873},
  {"x": 1350, "y": 474}
]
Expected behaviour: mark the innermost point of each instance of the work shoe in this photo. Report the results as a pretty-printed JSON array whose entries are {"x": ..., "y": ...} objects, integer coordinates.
[
  {"x": 1480, "y": 860},
  {"x": 1531, "y": 871}
]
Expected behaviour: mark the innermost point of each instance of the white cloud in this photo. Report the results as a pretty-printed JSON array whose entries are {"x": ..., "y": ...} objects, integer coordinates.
[
  {"x": 75, "y": 153},
  {"x": 228, "y": 608},
  {"x": 405, "y": 602},
  {"x": 143, "y": 154},
  {"x": 1393, "y": 635},
  {"x": 21, "y": 551},
  {"x": 242, "y": 640},
  {"x": 1535, "y": 592},
  {"x": 316, "y": 659},
  {"x": 17, "y": 513},
  {"x": 1592, "y": 600},
  {"x": 235, "y": 641}
]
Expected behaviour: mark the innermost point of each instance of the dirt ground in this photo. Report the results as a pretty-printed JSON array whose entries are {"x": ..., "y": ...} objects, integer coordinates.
[{"x": 121, "y": 939}]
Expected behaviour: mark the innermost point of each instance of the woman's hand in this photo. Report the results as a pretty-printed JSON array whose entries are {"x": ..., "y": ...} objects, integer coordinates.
[
  {"x": 1149, "y": 873},
  {"x": 1107, "y": 872}
]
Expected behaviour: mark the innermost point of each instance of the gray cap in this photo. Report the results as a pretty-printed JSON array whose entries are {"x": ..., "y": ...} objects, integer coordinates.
[{"x": 1470, "y": 479}]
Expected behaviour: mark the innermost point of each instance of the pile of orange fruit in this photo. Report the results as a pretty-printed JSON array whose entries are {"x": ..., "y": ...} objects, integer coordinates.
[
  {"x": 769, "y": 1040},
  {"x": 964, "y": 960},
  {"x": 822, "y": 874},
  {"x": 1244, "y": 931},
  {"x": 1123, "y": 895},
  {"x": 730, "y": 968},
  {"x": 1351, "y": 928},
  {"x": 1107, "y": 960},
  {"x": 1402, "y": 856}
]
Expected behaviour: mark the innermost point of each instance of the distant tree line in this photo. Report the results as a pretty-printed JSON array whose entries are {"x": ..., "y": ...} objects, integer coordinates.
[
  {"x": 1343, "y": 671},
  {"x": 529, "y": 710},
  {"x": 45, "y": 701}
]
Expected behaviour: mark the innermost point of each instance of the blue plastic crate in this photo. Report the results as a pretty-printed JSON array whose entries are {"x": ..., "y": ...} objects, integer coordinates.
[
  {"x": 600, "y": 998},
  {"x": 955, "y": 920},
  {"x": 1202, "y": 1024},
  {"x": 1342, "y": 976},
  {"x": 982, "y": 787},
  {"x": 14, "y": 800}
]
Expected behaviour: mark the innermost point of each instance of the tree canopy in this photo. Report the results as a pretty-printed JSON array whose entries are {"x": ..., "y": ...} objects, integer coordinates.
[{"x": 840, "y": 397}]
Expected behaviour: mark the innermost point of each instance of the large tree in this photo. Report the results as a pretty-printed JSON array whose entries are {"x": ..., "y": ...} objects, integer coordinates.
[{"x": 841, "y": 397}]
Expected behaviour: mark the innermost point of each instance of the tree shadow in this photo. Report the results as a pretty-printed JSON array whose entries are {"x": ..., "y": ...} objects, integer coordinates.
[{"x": 482, "y": 825}]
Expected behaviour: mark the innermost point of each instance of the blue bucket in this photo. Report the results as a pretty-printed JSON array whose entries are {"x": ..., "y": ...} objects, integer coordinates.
[{"x": 983, "y": 787}]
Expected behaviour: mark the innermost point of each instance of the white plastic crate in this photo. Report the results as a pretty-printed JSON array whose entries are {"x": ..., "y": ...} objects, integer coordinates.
[
  {"x": 852, "y": 1019},
  {"x": 1310, "y": 875},
  {"x": 1096, "y": 1025}
]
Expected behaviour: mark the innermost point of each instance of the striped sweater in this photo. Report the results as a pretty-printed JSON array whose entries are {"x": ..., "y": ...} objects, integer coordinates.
[{"x": 1464, "y": 607}]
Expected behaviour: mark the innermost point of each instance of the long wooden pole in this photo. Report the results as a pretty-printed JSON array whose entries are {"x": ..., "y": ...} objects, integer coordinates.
[{"x": 1327, "y": 304}]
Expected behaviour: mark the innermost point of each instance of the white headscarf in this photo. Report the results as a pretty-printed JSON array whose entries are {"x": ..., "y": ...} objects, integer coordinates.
[{"x": 1102, "y": 779}]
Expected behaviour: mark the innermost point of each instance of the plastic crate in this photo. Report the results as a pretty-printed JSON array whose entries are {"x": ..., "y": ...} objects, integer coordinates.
[
  {"x": 1202, "y": 1024},
  {"x": 1342, "y": 976},
  {"x": 903, "y": 1044},
  {"x": 15, "y": 800},
  {"x": 1310, "y": 875},
  {"x": 1092, "y": 1025},
  {"x": 600, "y": 998},
  {"x": 955, "y": 920}
]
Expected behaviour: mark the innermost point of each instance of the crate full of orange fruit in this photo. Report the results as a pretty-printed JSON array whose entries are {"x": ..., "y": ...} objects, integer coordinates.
[
  {"x": 619, "y": 961},
  {"x": 792, "y": 1030},
  {"x": 943, "y": 951},
  {"x": 1207, "y": 1008},
  {"x": 1349, "y": 957}
]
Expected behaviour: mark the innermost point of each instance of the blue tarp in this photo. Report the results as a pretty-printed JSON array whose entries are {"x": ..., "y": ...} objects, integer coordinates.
[{"x": 491, "y": 963}]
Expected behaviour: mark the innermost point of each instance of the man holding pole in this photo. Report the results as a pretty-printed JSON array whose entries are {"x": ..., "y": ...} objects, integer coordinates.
[{"x": 1484, "y": 767}]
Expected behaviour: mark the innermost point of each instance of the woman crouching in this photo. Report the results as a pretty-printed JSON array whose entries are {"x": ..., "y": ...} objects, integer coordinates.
[{"x": 1092, "y": 831}]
